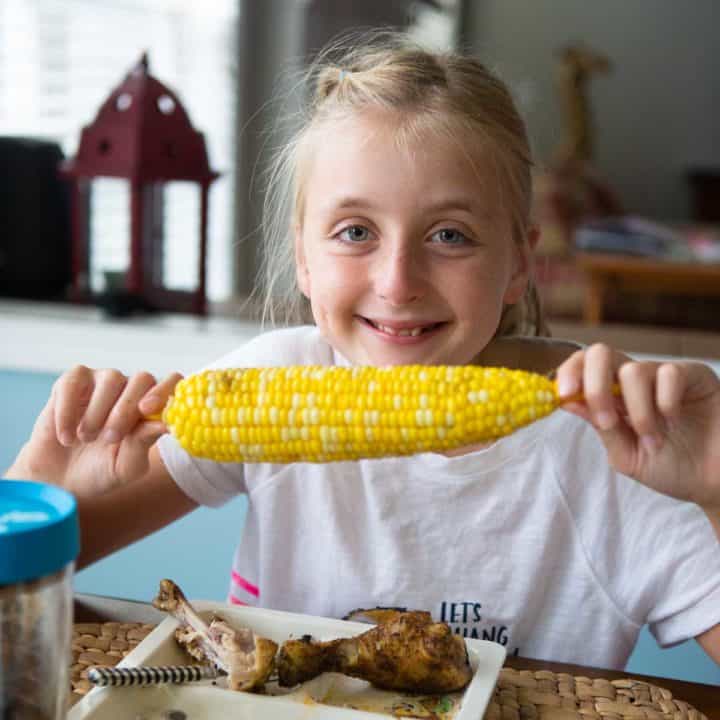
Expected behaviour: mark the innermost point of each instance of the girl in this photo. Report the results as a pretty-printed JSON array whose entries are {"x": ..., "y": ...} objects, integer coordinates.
[{"x": 411, "y": 242}]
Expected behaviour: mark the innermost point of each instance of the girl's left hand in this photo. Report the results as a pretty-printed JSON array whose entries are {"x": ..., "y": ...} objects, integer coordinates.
[{"x": 664, "y": 427}]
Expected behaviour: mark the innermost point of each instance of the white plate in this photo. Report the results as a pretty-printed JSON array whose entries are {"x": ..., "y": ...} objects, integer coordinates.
[{"x": 208, "y": 701}]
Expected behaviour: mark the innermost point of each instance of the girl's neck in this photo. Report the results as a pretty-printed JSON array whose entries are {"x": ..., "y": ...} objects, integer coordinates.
[{"x": 536, "y": 354}]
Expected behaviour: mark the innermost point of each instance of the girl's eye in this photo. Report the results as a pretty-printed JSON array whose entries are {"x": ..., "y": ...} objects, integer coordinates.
[
  {"x": 354, "y": 234},
  {"x": 449, "y": 236}
]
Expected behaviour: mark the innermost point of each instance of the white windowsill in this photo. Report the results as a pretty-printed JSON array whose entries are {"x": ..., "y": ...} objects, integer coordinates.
[{"x": 50, "y": 337}]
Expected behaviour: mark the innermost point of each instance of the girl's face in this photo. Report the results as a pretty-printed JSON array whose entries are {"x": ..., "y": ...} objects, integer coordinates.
[{"x": 406, "y": 256}]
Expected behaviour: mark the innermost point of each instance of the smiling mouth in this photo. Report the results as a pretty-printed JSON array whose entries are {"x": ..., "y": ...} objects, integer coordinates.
[{"x": 404, "y": 332}]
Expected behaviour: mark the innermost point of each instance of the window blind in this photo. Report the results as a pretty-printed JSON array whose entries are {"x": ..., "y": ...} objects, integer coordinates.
[{"x": 60, "y": 59}]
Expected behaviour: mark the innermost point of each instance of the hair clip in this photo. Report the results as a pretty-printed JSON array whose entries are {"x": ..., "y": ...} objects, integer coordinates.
[{"x": 342, "y": 75}]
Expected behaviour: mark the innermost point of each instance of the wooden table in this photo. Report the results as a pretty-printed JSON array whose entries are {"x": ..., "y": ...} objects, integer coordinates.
[
  {"x": 606, "y": 273},
  {"x": 705, "y": 698}
]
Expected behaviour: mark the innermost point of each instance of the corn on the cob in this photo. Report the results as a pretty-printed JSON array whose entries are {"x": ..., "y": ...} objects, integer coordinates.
[{"x": 329, "y": 413}]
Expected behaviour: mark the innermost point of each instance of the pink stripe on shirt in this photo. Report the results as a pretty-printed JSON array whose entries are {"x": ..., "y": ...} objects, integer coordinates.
[
  {"x": 240, "y": 581},
  {"x": 235, "y": 601}
]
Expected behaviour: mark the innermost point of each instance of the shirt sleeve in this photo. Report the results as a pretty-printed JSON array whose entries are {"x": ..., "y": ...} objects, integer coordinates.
[
  {"x": 688, "y": 578},
  {"x": 657, "y": 558},
  {"x": 211, "y": 483},
  {"x": 204, "y": 481}
]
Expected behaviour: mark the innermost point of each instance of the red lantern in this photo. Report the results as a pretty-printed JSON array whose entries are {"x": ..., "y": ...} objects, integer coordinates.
[{"x": 141, "y": 133}]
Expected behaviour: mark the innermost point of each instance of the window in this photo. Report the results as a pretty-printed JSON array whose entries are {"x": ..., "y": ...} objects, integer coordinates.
[{"x": 60, "y": 59}]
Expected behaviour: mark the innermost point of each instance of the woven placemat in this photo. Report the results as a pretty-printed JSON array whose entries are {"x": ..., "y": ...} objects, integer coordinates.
[
  {"x": 100, "y": 645},
  {"x": 545, "y": 695},
  {"x": 519, "y": 695}
]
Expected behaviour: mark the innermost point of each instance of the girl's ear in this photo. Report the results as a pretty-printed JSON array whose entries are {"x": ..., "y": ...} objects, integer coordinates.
[
  {"x": 523, "y": 266},
  {"x": 301, "y": 269}
]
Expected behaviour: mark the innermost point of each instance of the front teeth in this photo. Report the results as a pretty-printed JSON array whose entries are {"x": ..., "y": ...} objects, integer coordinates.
[{"x": 405, "y": 332}]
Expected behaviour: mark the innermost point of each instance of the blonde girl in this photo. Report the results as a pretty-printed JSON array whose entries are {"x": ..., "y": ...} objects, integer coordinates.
[{"x": 410, "y": 241}]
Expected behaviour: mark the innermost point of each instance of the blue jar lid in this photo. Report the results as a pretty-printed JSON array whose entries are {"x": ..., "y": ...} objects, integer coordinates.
[{"x": 39, "y": 532}]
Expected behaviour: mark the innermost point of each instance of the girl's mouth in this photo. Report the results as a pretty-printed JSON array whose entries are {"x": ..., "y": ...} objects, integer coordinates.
[{"x": 406, "y": 333}]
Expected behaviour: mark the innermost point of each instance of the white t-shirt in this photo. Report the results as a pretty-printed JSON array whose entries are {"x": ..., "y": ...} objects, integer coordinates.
[{"x": 534, "y": 542}]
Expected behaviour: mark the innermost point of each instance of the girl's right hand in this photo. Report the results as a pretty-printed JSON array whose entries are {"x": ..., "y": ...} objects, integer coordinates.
[{"x": 92, "y": 434}]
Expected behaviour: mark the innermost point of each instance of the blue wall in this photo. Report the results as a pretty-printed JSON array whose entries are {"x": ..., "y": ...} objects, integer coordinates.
[{"x": 196, "y": 551}]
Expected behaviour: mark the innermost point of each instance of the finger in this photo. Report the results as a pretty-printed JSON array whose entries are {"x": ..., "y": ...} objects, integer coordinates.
[
  {"x": 133, "y": 454},
  {"x": 601, "y": 364},
  {"x": 569, "y": 375},
  {"x": 109, "y": 385},
  {"x": 71, "y": 395},
  {"x": 637, "y": 380},
  {"x": 621, "y": 444},
  {"x": 125, "y": 413},
  {"x": 155, "y": 399},
  {"x": 578, "y": 409},
  {"x": 671, "y": 385}
]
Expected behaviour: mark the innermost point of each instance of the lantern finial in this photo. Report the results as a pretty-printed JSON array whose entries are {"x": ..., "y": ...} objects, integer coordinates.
[{"x": 143, "y": 66}]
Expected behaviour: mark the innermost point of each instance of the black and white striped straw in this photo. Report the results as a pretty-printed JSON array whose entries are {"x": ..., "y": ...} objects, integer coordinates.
[{"x": 102, "y": 676}]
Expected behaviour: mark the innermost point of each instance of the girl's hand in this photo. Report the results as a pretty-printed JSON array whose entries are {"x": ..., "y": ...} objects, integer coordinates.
[
  {"x": 92, "y": 436},
  {"x": 663, "y": 429}
]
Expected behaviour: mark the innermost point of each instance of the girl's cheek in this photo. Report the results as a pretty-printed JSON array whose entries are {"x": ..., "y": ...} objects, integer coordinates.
[
  {"x": 335, "y": 284},
  {"x": 338, "y": 275}
]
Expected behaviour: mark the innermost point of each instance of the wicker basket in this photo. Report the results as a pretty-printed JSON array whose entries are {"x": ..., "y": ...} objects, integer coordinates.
[{"x": 519, "y": 695}]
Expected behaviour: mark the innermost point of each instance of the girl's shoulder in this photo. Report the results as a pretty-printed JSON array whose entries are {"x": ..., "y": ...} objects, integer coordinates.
[{"x": 297, "y": 345}]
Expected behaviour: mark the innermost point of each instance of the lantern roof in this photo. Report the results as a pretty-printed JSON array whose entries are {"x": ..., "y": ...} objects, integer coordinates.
[{"x": 141, "y": 132}]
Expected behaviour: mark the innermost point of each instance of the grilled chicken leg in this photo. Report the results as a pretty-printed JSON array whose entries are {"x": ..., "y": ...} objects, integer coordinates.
[
  {"x": 247, "y": 658},
  {"x": 407, "y": 651}
]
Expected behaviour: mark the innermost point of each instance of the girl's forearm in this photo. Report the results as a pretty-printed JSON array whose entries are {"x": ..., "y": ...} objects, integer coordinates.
[{"x": 118, "y": 518}]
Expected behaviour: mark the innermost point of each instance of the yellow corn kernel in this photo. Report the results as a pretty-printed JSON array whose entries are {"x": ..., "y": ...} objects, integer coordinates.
[{"x": 328, "y": 413}]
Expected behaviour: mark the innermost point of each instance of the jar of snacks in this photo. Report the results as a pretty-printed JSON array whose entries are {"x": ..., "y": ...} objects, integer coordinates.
[{"x": 39, "y": 541}]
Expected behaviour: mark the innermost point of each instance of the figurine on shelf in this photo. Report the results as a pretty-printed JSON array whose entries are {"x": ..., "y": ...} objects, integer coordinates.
[
  {"x": 577, "y": 65},
  {"x": 570, "y": 190}
]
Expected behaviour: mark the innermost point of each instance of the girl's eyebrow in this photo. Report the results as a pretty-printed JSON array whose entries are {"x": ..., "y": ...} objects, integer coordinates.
[
  {"x": 464, "y": 205},
  {"x": 352, "y": 202},
  {"x": 442, "y": 205},
  {"x": 477, "y": 210}
]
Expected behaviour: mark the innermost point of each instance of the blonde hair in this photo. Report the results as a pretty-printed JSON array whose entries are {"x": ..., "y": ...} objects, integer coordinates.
[{"x": 449, "y": 93}]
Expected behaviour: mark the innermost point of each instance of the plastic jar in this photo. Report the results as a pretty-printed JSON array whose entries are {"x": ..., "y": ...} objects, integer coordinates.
[{"x": 39, "y": 541}]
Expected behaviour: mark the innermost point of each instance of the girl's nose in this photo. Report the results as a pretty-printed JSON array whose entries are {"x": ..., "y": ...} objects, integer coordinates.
[{"x": 398, "y": 277}]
